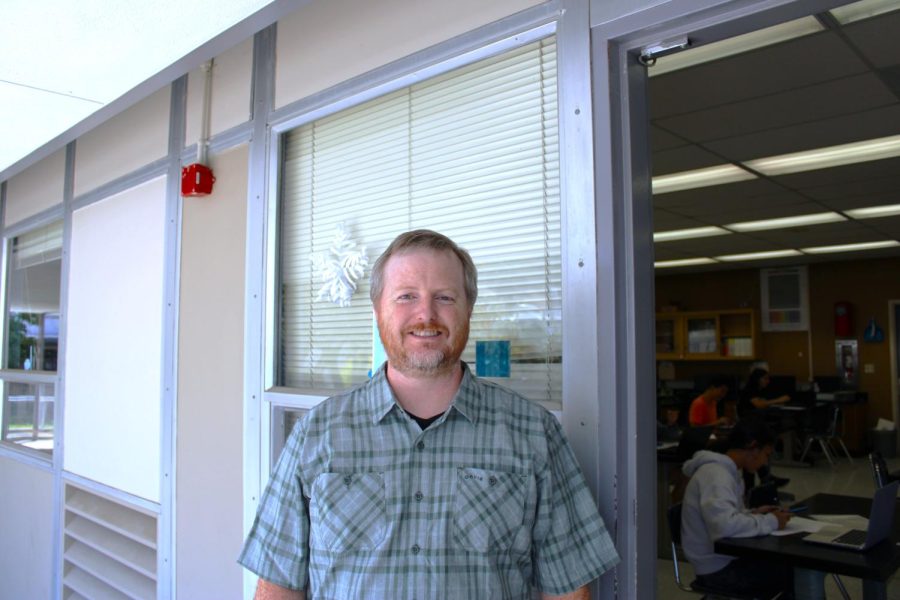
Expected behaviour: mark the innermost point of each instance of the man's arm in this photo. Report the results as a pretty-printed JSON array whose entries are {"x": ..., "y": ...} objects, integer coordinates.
[
  {"x": 581, "y": 593},
  {"x": 270, "y": 591}
]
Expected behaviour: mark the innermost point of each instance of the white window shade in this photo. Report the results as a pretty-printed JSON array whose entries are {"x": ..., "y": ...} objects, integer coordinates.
[
  {"x": 38, "y": 246},
  {"x": 472, "y": 154}
]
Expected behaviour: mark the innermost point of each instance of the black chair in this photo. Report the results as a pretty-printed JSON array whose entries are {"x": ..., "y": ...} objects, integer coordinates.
[
  {"x": 673, "y": 516},
  {"x": 823, "y": 429},
  {"x": 880, "y": 470}
]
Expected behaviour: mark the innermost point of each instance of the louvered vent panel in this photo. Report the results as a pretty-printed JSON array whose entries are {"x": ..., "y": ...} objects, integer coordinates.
[{"x": 109, "y": 549}]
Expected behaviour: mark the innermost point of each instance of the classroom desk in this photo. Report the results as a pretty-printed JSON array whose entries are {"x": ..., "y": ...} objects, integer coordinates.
[{"x": 874, "y": 566}]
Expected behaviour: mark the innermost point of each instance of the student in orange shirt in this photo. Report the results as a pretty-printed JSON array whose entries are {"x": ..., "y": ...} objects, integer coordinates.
[{"x": 704, "y": 408}]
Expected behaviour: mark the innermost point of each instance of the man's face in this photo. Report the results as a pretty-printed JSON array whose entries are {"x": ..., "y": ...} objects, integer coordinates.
[
  {"x": 423, "y": 314},
  {"x": 757, "y": 457}
]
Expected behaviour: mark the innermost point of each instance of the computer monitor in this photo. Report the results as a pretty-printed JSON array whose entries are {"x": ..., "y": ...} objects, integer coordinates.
[{"x": 827, "y": 383}]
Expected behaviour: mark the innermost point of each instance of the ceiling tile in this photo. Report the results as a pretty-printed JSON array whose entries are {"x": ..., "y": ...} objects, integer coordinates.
[
  {"x": 802, "y": 105},
  {"x": 857, "y": 198},
  {"x": 859, "y": 172},
  {"x": 663, "y": 140},
  {"x": 845, "y": 232},
  {"x": 803, "y": 61},
  {"x": 724, "y": 244},
  {"x": 878, "y": 38},
  {"x": 664, "y": 220},
  {"x": 734, "y": 192},
  {"x": 869, "y": 124},
  {"x": 684, "y": 158}
]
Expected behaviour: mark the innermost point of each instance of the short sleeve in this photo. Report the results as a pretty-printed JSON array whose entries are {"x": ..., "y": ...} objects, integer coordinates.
[
  {"x": 277, "y": 547},
  {"x": 571, "y": 545}
]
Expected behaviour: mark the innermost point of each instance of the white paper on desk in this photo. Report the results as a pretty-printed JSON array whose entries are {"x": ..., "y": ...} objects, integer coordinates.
[
  {"x": 799, "y": 524},
  {"x": 850, "y": 521}
]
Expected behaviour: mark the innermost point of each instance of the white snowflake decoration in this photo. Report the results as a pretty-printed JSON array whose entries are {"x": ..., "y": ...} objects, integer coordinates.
[{"x": 340, "y": 268}]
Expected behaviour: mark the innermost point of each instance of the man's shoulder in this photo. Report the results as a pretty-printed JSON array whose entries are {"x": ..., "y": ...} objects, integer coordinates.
[
  {"x": 352, "y": 403},
  {"x": 500, "y": 405},
  {"x": 498, "y": 397}
]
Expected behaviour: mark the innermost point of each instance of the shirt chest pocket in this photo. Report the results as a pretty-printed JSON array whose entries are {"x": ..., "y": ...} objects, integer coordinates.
[
  {"x": 490, "y": 510},
  {"x": 347, "y": 511}
]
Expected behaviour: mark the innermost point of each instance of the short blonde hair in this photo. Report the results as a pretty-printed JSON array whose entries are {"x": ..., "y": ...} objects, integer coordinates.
[{"x": 432, "y": 240}]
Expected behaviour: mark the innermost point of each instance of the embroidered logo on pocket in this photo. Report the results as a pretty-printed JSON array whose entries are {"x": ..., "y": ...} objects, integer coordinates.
[
  {"x": 347, "y": 511},
  {"x": 490, "y": 508}
]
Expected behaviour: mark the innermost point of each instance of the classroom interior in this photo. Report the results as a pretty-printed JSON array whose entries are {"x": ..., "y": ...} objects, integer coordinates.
[{"x": 793, "y": 269}]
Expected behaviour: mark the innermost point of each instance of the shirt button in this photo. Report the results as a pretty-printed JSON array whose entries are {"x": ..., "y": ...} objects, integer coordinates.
[
  {"x": 419, "y": 496},
  {"x": 415, "y": 549},
  {"x": 348, "y": 480},
  {"x": 492, "y": 480},
  {"x": 420, "y": 445}
]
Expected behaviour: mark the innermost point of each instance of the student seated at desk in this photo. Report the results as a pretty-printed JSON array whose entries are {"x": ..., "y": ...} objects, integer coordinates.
[
  {"x": 753, "y": 401},
  {"x": 667, "y": 428},
  {"x": 713, "y": 508},
  {"x": 704, "y": 408}
]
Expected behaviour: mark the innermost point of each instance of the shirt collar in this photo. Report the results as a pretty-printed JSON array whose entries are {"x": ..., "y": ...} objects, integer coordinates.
[{"x": 467, "y": 400}]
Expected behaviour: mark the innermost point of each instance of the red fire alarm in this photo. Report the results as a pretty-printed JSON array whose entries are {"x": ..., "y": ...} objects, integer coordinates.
[{"x": 196, "y": 180}]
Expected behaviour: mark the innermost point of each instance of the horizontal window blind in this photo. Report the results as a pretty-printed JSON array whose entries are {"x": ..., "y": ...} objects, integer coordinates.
[{"x": 473, "y": 154}]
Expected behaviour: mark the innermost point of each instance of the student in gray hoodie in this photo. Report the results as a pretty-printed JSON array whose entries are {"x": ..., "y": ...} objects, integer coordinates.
[{"x": 713, "y": 508}]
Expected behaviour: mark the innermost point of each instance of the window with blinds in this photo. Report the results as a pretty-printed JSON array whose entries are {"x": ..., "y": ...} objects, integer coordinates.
[{"x": 473, "y": 154}]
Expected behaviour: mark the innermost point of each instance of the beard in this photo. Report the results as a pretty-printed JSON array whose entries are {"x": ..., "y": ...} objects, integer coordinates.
[{"x": 427, "y": 361}]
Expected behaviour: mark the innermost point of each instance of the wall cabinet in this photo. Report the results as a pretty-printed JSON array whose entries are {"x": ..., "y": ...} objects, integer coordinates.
[{"x": 707, "y": 335}]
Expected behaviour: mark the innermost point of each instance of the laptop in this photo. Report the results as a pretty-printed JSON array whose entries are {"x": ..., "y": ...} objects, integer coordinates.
[{"x": 881, "y": 520}]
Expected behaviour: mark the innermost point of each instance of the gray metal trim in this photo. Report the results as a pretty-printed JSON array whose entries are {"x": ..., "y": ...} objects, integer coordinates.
[
  {"x": 483, "y": 42},
  {"x": 59, "y": 434},
  {"x": 264, "y": 17},
  {"x": 166, "y": 564},
  {"x": 157, "y": 168},
  {"x": 45, "y": 217},
  {"x": 26, "y": 457},
  {"x": 225, "y": 140},
  {"x": 112, "y": 493},
  {"x": 263, "y": 92},
  {"x": 20, "y": 376},
  {"x": 587, "y": 406}
]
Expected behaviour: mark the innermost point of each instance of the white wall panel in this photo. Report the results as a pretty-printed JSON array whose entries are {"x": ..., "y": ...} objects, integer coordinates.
[
  {"x": 128, "y": 141},
  {"x": 37, "y": 188},
  {"x": 112, "y": 416},
  {"x": 230, "y": 98},
  {"x": 26, "y": 520},
  {"x": 210, "y": 385},
  {"x": 325, "y": 43}
]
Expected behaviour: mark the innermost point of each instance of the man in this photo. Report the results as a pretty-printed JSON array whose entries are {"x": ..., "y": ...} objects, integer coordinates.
[
  {"x": 713, "y": 508},
  {"x": 426, "y": 483},
  {"x": 704, "y": 409}
]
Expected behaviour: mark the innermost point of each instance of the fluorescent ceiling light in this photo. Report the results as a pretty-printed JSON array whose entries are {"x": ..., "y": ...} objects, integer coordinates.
[
  {"x": 851, "y": 247},
  {"x": 871, "y": 212},
  {"x": 687, "y": 180},
  {"x": 688, "y": 234},
  {"x": 863, "y": 10},
  {"x": 735, "y": 45},
  {"x": 797, "y": 221},
  {"x": 831, "y": 156},
  {"x": 758, "y": 255},
  {"x": 684, "y": 262}
]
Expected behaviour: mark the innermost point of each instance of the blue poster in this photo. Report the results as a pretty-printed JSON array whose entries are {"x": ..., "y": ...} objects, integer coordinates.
[{"x": 492, "y": 358}]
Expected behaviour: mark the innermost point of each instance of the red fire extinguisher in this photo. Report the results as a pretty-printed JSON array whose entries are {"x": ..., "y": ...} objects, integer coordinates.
[{"x": 843, "y": 322}]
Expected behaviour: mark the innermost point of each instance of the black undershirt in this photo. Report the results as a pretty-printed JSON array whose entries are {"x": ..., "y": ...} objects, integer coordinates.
[{"x": 424, "y": 422}]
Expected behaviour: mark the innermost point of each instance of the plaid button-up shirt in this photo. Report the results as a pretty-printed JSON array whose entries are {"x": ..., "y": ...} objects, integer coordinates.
[{"x": 487, "y": 502}]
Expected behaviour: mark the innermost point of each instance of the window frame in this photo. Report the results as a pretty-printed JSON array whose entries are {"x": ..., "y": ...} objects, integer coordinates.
[
  {"x": 33, "y": 377},
  {"x": 305, "y": 398}
]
